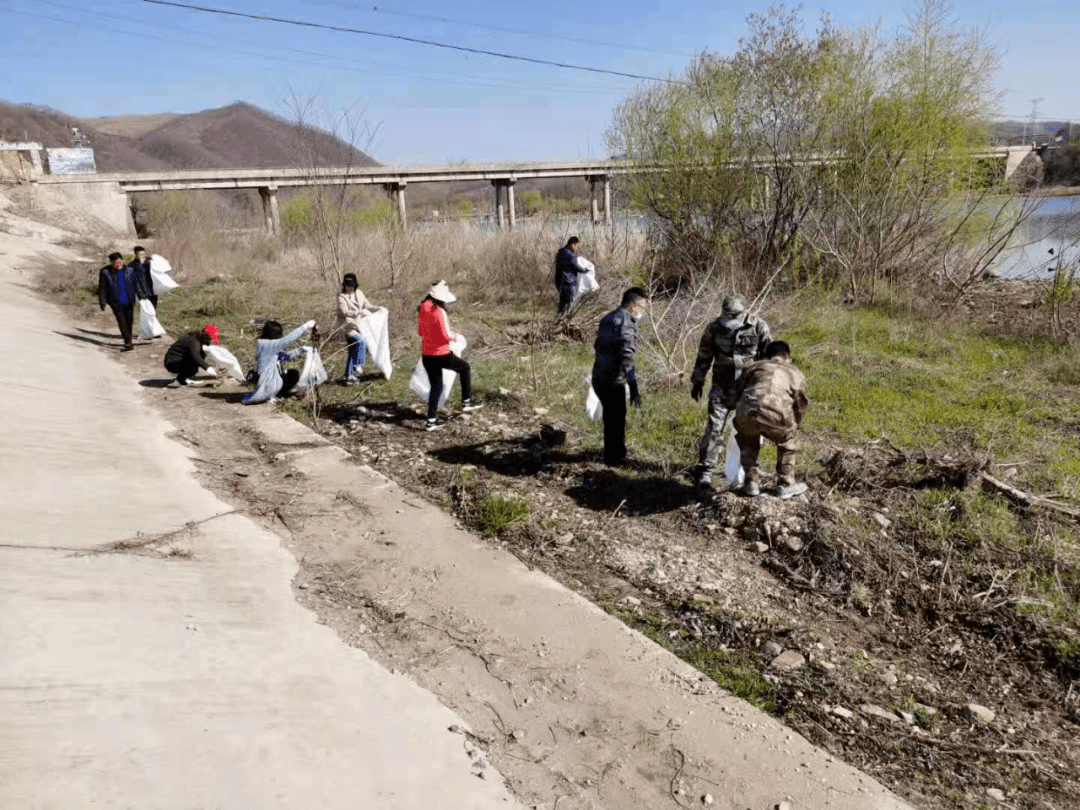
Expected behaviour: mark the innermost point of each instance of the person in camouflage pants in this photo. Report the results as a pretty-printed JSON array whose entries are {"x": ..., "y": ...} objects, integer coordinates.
[
  {"x": 772, "y": 403},
  {"x": 728, "y": 345}
]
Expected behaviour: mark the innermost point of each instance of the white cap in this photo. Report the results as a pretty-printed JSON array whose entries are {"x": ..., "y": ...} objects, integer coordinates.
[{"x": 440, "y": 292}]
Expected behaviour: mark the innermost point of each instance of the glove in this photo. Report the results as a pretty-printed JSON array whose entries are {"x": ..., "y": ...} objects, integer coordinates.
[
  {"x": 695, "y": 391},
  {"x": 635, "y": 396},
  {"x": 309, "y": 325},
  {"x": 282, "y": 357}
]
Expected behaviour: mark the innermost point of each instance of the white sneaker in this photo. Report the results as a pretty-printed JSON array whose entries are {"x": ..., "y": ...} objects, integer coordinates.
[
  {"x": 434, "y": 424},
  {"x": 178, "y": 384},
  {"x": 468, "y": 406}
]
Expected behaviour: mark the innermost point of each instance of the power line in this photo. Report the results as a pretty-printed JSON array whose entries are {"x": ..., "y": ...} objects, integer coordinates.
[
  {"x": 415, "y": 40},
  {"x": 501, "y": 29},
  {"x": 277, "y": 57}
]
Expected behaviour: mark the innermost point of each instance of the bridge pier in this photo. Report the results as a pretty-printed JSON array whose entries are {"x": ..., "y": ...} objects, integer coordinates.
[
  {"x": 504, "y": 199},
  {"x": 270, "y": 210},
  {"x": 594, "y": 202},
  {"x": 397, "y": 195}
]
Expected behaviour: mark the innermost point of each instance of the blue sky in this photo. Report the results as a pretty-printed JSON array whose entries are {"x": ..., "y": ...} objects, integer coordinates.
[{"x": 109, "y": 57}]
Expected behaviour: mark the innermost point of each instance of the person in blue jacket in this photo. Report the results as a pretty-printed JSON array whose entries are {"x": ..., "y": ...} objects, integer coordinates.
[
  {"x": 140, "y": 265},
  {"x": 566, "y": 276},
  {"x": 613, "y": 371},
  {"x": 121, "y": 288}
]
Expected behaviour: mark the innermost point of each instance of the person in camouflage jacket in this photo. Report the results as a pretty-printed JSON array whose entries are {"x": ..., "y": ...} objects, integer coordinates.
[
  {"x": 772, "y": 403},
  {"x": 728, "y": 345}
]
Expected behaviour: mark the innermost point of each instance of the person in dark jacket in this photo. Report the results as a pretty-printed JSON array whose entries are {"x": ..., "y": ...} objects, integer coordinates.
[
  {"x": 120, "y": 289},
  {"x": 140, "y": 265},
  {"x": 185, "y": 357},
  {"x": 566, "y": 276},
  {"x": 613, "y": 370}
]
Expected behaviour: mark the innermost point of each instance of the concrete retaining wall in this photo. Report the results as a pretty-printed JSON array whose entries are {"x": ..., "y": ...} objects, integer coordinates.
[{"x": 90, "y": 207}]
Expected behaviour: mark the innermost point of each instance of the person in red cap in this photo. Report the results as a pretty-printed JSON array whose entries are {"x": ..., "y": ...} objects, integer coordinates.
[{"x": 185, "y": 357}]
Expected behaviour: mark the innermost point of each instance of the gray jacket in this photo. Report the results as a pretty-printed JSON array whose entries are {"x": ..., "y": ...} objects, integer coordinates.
[
  {"x": 616, "y": 344},
  {"x": 266, "y": 363}
]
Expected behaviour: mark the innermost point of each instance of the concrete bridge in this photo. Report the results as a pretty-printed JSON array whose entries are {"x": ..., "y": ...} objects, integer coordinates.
[{"x": 107, "y": 193}]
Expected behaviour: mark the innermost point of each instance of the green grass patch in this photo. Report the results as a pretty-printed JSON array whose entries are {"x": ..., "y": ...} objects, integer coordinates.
[{"x": 494, "y": 514}]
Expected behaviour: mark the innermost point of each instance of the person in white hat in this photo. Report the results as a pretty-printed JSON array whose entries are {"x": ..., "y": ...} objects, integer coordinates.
[{"x": 435, "y": 335}]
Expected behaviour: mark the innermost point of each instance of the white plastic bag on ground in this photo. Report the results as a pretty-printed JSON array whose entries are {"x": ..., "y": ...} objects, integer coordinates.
[
  {"x": 149, "y": 326},
  {"x": 220, "y": 357},
  {"x": 375, "y": 332},
  {"x": 312, "y": 373},
  {"x": 421, "y": 385},
  {"x": 159, "y": 274},
  {"x": 586, "y": 282}
]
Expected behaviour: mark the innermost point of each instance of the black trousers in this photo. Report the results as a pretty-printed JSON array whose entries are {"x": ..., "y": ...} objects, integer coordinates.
[
  {"x": 434, "y": 365},
  {"x": 183, "y": 369},
  {"x": 567, "y": 294},
  {"x": 288, "y": 381},
  {"x": 125, "y": 317},
  {"x": 613, "y": 398}
]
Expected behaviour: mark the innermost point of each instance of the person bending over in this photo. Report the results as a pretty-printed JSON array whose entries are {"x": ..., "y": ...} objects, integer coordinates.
[
  {"x": 187, "y": 356},
  {"x": 270, "y": 352}
]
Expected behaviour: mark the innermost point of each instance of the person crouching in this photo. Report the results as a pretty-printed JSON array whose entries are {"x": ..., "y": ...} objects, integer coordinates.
[
  {"x": 186, "y": 357},
  {"x": 771, "y": 405}
]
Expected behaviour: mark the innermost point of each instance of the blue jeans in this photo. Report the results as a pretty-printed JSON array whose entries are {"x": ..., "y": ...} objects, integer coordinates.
[{"x": 357, "y": 354}]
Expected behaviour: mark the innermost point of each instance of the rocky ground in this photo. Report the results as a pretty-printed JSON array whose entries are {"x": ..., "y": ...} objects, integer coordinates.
[{"x": 913, "y": 660}]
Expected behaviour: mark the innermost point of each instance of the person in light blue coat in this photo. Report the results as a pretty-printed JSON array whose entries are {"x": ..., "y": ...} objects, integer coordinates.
[{"x": 270, "y": 352}]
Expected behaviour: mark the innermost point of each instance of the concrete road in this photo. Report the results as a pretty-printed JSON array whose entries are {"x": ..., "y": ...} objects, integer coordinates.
[{"x": 129, "y": 679}]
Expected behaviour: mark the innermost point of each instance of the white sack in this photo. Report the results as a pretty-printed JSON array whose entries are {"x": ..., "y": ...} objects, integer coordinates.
[
  {"x": 149, "y": 326},
  {"x": 159, "y": 275},
  {"x": 220, "y": 357},
  {"x": 593, "y": 407},
  {"x": 733, "y": 471},
  {"x": 312, "y": 373},
  {"x": 421, "y": 385},
  {"x": 374, "y": 330}
]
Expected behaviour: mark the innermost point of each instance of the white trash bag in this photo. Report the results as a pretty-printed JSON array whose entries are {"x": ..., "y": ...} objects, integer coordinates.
[
  {"x": 375, "y": 332},
  {"x": 149, "y": 326},
  {"x": 159, "y": 275},
  {"x": 593, "y": 407},
  {"x": 586, "y": 282},
  {"x": 312, "y": 373},
  {"x": 221, "y": 357},
  {"x": 733, "y": 471},
  {"x": 422, "y": 386}
]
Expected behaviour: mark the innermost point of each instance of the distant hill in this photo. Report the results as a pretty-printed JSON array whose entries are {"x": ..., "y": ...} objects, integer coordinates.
[{"x": 237, "y": 136}]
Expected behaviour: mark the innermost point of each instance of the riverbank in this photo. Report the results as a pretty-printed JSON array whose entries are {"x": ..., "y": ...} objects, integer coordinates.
[{"x": 903, "y": 592}]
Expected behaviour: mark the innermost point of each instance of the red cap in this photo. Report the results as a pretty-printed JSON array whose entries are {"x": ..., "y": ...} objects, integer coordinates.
[{"x": 212, "y": 331}]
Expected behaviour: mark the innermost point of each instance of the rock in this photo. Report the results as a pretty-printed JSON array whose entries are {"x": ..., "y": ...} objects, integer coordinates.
[
  {"x": 707, "y": 799},
  {"x": 828, "y": 666},
  {"x": 889, "y": 678},
  {"x": 540, "y": 411},
  {"x": 881, "y": 520},
  {"x": 564, "y": 539},
  {"x": 504, "y": 392},
  {"x": 876, "y": 711},
  {"x": 793, "y": 543},
  {"x": 703, "y": 598},
  {"x": 517, "y": 735},
  {"x": 840, "y": 711},
  {"x": 788, "y": 661},
  {"x": 783, "y": 806},
  {"x": 1045, "y": 805},
  {"x": 995, "y": 794},
  {"x": 976, "y": 712},
  {"x": 761, "y": 548},
  {"x": 929, "y": 711},
  {"x": 908, "y": 718},
  {"x": 771, "y": 649},
  {"x": 632, "y": 601}
]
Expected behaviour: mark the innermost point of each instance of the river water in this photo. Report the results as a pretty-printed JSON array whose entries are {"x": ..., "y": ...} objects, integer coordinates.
[{"x": 1055, "y": 225}]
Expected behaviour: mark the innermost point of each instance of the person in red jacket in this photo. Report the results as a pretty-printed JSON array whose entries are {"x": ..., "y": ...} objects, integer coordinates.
[{"x": 435, "y": 335}]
